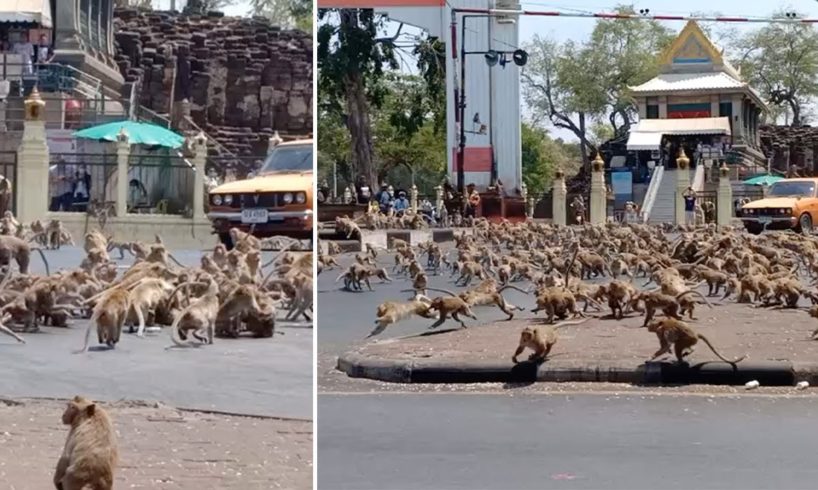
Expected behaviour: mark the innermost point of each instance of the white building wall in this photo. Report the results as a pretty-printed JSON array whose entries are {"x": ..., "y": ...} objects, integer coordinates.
[{"x": 493, "y": 93}]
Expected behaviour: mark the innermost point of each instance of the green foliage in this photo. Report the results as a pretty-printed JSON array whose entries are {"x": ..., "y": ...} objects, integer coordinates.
[
  {"x": 348, "y": 45},
  {"x": 542, "y": 156},
  {"x": 286, "y": 13},
  {"x": 201, "y": 7},
  {"x": 781, "y": 60},
  {"x": 576, "y": 84},
  {"x": 406, "y": 141}
]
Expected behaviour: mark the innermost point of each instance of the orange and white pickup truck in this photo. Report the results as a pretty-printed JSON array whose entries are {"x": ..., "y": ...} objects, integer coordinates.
[{"x": 278, "y": 200}]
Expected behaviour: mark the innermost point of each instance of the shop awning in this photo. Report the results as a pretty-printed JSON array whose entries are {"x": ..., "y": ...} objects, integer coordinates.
[
  {"x": 692, "y": 125},
  {"x": 34, "y": 11},
  {"x": 638, "y": 141}
]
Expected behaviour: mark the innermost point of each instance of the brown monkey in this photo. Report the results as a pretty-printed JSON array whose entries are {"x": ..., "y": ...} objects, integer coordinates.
[
  {"x": 90, "y": 456},
  {"x": 450, "y": 306},
  {"x": 390, "y": 312},
  {"x": 540, "y": 341},
  {"x": 109, "y": 317},
  {"x": 557, "y": 302},
  {"x": 656, "y": 300},
  {"x": 715, "y": 279},
  {"x": 18, "y": 249},
  {"x": 677, "y": 334},
  {"x": 200, "y": 315}
]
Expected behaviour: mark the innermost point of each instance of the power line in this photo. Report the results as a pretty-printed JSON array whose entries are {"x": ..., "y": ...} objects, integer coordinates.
[{"x": 789, "y": 18}]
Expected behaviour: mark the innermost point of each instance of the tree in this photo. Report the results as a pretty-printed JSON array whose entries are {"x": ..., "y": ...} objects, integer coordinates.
[
  {"x": 541, "y": 157},
  {"x": 287, "y": 13},
  {"x": 201, "y": 7},
  {"x": 575, "y": 85},
  {"x": 351, "y": 61},
  {"x": 782, "y": 61}
]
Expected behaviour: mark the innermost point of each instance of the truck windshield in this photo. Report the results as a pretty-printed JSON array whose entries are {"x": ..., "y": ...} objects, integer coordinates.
[
  {"x": 803, "y": 189},
  {"x": 289, "y": 158}
]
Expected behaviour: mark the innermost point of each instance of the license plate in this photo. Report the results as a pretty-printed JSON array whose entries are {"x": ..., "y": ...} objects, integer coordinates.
[
  {"x": 765, "y": 219},
  {"x": 254, "y": 216}
]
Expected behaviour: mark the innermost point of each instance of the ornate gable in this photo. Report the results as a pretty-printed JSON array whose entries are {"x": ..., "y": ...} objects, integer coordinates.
[{"x": 692, "y": 46}]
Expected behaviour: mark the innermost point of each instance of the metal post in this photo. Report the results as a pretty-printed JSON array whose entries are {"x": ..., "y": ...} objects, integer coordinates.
[
  {"x": 461, "y": 172},
  {"x": 334, "y": 180}
]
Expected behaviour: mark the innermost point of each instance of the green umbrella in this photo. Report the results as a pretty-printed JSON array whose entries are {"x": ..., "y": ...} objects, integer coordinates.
[
  {"x": 765, "y": 179},
  {"x": 138, "y": 133}
]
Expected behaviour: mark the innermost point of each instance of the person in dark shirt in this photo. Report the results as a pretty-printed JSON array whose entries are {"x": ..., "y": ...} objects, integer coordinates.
[{"x": 690, "y": 205}]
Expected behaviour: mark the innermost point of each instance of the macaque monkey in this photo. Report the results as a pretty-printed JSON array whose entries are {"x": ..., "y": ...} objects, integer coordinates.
[{"x": 90, "y": 456}]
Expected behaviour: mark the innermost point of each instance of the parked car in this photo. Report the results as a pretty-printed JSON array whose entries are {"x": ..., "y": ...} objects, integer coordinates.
[
  {"x": 790, "y": 204},
  {"x": 276, "y": 201}
]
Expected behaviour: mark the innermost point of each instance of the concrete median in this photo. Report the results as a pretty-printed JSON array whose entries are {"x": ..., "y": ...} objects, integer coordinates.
[{"x": 767, "y": 373}]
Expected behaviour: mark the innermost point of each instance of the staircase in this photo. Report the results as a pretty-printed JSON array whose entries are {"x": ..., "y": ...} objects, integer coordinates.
[{"x": 664, "y": 206}]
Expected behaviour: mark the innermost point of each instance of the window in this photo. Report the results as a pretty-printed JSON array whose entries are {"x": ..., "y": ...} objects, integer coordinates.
[{"x": 652, "y": 112}]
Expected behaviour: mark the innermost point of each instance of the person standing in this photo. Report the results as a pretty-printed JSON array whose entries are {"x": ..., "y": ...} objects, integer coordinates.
[
  {"x": 690, "y": 206},
  {"x": 61, "y": 180},
  {"x": 45, "y": 53},
  {"x": 25, "y": 50}
]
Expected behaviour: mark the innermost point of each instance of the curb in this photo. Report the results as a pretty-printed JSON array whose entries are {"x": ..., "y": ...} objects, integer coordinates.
[{"x": 767, "y": 373}]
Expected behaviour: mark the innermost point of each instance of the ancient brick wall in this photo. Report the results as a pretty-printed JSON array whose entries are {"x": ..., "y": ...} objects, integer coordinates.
[{"x": 244, "y": 78}]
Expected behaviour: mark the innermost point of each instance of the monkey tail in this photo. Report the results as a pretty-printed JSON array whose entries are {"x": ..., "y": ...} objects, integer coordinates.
[
  {"x": 570, "y": 322},
  {"x": 696, "y": 293},
  {"x": 91, "y": 324},
  {"x": 176, "y": 261},
  {"x": 174, "y": 331},
  {"x": 45, "y": 261},
  {"x": 510, "y": 286},
  {"x": 734, "y": 361},
  {"x": 341, "y": 276},
  {"x": 446, "y": 291}
]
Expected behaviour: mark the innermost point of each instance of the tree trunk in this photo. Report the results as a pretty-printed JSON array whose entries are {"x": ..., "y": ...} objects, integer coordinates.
[
  {"x": 360, "y": 129},
  {"x": 583, "y": 143},
  {"x": 796, "y": 112}
]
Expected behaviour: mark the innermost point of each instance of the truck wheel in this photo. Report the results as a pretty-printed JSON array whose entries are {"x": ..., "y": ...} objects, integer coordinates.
[
  {"x": 805, "y": 224},
  {"x": 226, "y": 240}
]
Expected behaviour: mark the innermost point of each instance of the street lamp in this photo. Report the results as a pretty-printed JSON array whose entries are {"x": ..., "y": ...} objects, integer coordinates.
[{"x": 492, "y": 57}]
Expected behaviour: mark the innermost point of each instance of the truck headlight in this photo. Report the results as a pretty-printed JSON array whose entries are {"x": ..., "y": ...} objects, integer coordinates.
[
  {"x": 300, "y": 198},
  {"x": 288, "y": 198},
  {"x": 217, "y": 199},
  {"x": 228, "y": 199}
]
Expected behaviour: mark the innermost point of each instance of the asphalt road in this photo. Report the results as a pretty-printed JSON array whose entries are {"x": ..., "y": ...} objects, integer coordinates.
[
  {"x": 388, "y": 436},
  {"x": 249, "y": 376},
  {"x": 454, "y": 441}
]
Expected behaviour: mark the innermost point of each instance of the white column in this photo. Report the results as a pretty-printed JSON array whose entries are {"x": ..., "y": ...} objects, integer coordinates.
[
  {"x": 559, "y": 195},
  {"x": 199, "y": 162},
  {"x": 123, "y": 154},
  {"x": 725, "y": 198},
  {"x": 598, "y": 191},
  {"x": 32, "y": 163},
  {"x": 663, "y": 107},
  {"x": 682, "y": 183}
]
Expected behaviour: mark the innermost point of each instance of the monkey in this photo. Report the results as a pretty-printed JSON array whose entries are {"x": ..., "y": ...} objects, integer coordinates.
[
  {"x": 18, "y": 249},
  {"x": 328, "y": 261},
  {"x": 244, "y": 242},
  {"x": 450, "y": 306},
  {"x": 109, "y": 317},
  {"x": 468, "y": 270},
  {"x": 240, "y": 302},
  {"x": 669, "y": 305},
  {"x": 487, "y": 293},
  {"x": 620, "y": 295},
  {"x": 540, "y": 341},
  {"x": 679, "y": 335},
  {"x": 8, "y": 331},
  {"x": 390, "y": 312},
  {"x": 715, "y": 279},
  {"x": 199, "y": 315},
  {"x": 145, "y": 297},
  {"x": 90, "y": 456},
  {"x": 557, "y": 302},
  {"x": 333, "y": 248},
  {"x": 419, "y": 283},
  {"x": 371, "y": 250},
  {"x": 56, "y": 234}
]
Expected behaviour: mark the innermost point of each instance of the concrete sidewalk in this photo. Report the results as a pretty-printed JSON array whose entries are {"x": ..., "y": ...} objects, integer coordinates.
[{"x": 776, "y": 342}]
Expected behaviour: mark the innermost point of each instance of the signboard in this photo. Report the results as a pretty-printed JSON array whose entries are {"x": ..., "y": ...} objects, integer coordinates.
[{"x": 622, "y": 186}]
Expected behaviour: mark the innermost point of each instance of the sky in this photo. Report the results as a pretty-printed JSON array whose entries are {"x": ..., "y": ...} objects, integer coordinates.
[{"x": 579, "y": 29}]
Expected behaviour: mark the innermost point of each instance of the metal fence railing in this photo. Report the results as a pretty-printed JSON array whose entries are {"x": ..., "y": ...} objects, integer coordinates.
[
  {"x": 160, "y": 184},
  {"x": 708, "y": 200},
  {"x": 74, "y": 180}
]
